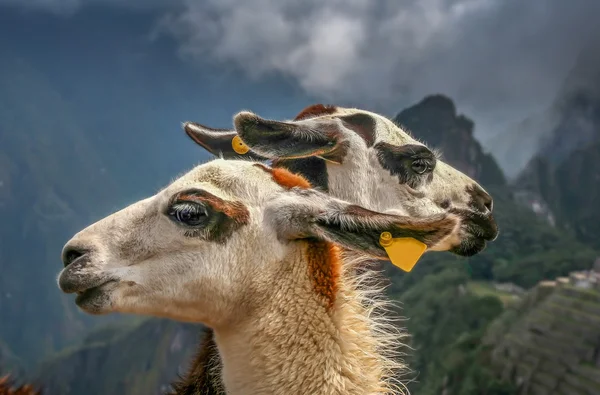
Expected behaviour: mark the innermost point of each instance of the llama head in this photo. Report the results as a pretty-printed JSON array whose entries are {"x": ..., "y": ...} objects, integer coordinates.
[
  {"x": 210, "y": 245},
  {"x": 364, "y": 158}
]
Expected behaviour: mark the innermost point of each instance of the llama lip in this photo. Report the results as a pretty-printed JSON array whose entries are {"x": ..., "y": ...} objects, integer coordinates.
[
  {"x": 76, "y": 278},
  {"x": 89, "y": 295},
  {"x": 477, "y": 225},
  {"x": 470, "y": 246},
  {"x": 476, "y": 230}
]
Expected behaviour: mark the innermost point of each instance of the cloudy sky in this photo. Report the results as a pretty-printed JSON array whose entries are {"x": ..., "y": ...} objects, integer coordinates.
[{"x": 499, "y": 59}]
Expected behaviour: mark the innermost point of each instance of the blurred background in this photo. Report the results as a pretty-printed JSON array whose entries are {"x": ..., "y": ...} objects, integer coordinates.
[{"x": 93, "y": 93}]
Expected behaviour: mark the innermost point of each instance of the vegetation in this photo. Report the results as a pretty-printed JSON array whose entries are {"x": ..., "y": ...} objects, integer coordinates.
[
  {"x": 450, "y": 301},
  {"x": 448, "y": 314}
]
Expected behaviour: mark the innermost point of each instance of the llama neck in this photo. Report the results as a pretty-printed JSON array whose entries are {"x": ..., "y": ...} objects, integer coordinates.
[{"x": 308, "y": 335}]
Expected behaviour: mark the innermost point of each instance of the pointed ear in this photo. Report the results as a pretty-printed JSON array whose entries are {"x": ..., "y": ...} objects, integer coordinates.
[
  {"x": 218, "y": 141},
  {"x": 291, "y": 140},
  {"x": 312, "y": 214}
]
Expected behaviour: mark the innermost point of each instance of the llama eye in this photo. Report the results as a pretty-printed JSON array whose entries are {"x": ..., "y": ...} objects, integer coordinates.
[
  {"x": 188, "y": 213},
  {"x": 420, "y": 166}
]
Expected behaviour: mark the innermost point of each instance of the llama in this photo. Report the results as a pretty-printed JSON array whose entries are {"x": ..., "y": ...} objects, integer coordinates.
[
  {"x": 358, "y": 156},
  {"x": 250, "y": 252},
  {"x": 333, "y": 147}
]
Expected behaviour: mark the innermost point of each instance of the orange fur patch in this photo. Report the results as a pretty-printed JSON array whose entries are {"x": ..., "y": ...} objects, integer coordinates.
[
  {"x": 6, "y": 388},
  {"x": 315, "y": 110},
  {"x": 286, "y": 178},
  {"x": 234, "y": 210},
  {"x": 324, "y": 268}
]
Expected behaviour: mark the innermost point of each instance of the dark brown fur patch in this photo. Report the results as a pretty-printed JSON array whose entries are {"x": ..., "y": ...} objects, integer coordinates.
[
  {"x": 286, "y": 178},
  {"x": 7, "y": 388},
  {"x": 227, "y": 216},
  {"x": 397, "y": 161},
  {"x": 203, "y": 377},
  {"x": 362, "y": 124},
  {"x": 194, "y": 135},
  {"x": 312, "y": 168},
  {"x": 218, "y": 142},
  {"x": 315, "y": 110},
  {"x": 324, "y": 268}
]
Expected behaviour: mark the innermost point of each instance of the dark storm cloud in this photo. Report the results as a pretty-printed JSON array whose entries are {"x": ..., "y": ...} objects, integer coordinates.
[
  {"x": 499, "y": 59},
  {"x": 70, "y": 7},
  {"x": 54, "y": 6}
]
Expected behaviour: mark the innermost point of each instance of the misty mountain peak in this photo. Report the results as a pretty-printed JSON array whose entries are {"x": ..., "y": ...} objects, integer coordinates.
[{"x": 436, "y": 122}]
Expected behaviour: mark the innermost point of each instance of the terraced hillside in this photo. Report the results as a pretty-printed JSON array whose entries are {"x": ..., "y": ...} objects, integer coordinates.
[{"x": 549, "y": 343}]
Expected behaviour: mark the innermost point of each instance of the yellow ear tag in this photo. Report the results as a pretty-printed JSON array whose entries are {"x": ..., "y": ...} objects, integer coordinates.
[
  {"x": 404, "y": 252},
  {"x": 239, "y": 146}
]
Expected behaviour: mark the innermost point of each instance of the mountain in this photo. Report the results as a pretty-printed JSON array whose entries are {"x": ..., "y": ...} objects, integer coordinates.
[
  {"x": 564, "y": 176},
  {"x": 569, "y": 123},
  {"x": 435, "y": 121},
  {"x": 578, "y": 109},
  {"x": 516, "y": 146},
  {"x": 135, "y": 359},
  {"x": 448, "y": 314},
  {"x": 42, "y": 201},
  {"x": 549, "y": 341}
]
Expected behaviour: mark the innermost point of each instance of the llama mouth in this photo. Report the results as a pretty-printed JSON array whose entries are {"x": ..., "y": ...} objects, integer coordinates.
[
  {"x": 93, "y": 298},
  {"x": 469, "y": 246},
  {"x": 477, "y": 225},
  {"x": 476, "y": 230}
]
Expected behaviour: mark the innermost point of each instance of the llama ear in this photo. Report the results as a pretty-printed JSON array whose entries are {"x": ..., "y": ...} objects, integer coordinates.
[
  {"x": 219, "y": 142},
  {"x": 317, "y": 215},
  {"x": 292, "y": 140}
]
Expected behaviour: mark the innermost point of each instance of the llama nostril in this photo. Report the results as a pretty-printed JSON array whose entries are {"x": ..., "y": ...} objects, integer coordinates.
[
  {"x": 70, "y": 254},
  {"x": 489, "y": 204},
  {"x": 486, "y": 202},
  {"x": 481, "y": 200}
]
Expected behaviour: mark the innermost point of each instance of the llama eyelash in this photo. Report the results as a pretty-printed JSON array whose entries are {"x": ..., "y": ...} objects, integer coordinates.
[{"x": 202, "y": 233}]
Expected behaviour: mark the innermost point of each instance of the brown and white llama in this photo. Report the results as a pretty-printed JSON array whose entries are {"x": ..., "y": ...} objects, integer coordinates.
[
  {"x": 357, "y": 155},
  {"x": 245, "y": 250}
]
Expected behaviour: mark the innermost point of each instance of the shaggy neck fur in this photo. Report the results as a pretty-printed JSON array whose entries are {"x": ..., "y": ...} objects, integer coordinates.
[{"x": 317, "y": 330}]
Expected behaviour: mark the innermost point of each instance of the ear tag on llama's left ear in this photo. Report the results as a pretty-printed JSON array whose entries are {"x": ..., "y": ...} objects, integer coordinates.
[
  {"x": 403, "y": 252},
  {"x": 239, "y": 146}
]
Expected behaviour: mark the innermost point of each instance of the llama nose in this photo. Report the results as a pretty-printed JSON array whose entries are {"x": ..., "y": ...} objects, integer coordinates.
[
  {"x": 72, "y": 253},
  {"x": 482, "y": 200}
]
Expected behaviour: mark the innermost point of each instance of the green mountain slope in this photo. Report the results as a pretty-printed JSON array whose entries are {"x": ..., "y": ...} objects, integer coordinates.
[
  {"x": 134, "y": 359},
  {"x": 549, "y": 342},
  {"x": 49, "y": 174}
]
